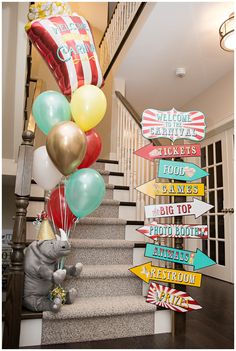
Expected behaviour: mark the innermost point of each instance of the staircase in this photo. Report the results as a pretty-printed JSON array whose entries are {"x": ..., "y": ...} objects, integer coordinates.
[{"x": 110, "y": 301}]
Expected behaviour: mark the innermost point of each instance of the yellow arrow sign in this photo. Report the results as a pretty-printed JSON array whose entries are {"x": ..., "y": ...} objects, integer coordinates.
[
  {"x": 154, "y": 189},
  {"x": 147, "y": 272}
]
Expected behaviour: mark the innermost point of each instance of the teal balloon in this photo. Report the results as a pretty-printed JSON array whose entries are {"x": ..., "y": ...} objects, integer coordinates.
[
  {"x": 49, "y": 108},
  {"x": 85, "y": 190}
]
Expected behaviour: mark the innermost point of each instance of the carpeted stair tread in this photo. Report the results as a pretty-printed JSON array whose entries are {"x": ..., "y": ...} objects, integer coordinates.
[
  {"x": 110, "y": 186},
  {"x": 101, "y": 271},
  {"x": 102, "y": 221},
  {"x": 90, "y": 307},
  {"x": 93, "y": 243}
]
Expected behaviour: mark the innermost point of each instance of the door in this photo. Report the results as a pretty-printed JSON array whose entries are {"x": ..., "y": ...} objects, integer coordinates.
[{"x": 217, "y": 160}]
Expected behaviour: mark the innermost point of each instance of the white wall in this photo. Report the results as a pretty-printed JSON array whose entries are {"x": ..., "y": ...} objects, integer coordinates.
[
  {"x": 216, "y": 102},
  {"x": 9, "y": 32},
  {"x": 14, "y": 52}
]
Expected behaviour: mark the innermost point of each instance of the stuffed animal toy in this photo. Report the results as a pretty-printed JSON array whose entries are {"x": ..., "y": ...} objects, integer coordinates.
[{"x": 41, "y": 258}]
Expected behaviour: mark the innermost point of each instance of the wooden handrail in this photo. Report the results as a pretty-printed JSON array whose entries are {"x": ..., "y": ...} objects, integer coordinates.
[
  {"x": 129, "y": 108},
  {"x": 108, "y": 24},
  {"x": 15, "y": 281},
  {"x": 133, "y": 113},
  {"x": 124, "y": 38}
]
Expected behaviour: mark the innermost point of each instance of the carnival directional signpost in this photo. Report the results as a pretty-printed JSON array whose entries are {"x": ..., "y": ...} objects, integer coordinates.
[
  {"x": 148, "y": 272},
  {"x": 173, "y": 299},
  {"x": 156, "y": 230},
  {"x": 180, "y": 170},
  {"x": 196, "y": 259},
  {"x": 173, "y": 125},
  {"x": 151, "y": 152},
  {"x": 153, "y": 189},
  {"x": 195, "y": 207}
]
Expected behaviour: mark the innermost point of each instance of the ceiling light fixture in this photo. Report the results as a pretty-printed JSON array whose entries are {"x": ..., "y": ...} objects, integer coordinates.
[{"x": 227, "y": 34}]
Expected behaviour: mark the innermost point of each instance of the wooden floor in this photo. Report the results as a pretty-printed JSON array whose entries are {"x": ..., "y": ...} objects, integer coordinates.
[{"x": 212, "y": 327}]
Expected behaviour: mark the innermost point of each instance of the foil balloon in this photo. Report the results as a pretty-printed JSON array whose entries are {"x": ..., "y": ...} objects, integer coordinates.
[
  {"x": 66, "y": 44},
  {"x": 66, "y": 146},
  {"x": 94, "y": 147}
]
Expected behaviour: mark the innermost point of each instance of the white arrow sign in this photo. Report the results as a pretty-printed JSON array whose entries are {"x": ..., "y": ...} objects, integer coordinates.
[{"x": 195, "y": 207}]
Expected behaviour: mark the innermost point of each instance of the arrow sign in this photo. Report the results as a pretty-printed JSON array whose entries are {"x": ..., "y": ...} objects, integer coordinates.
[
  {"x": 173, "y": 124},
  {"x": 154, "y": 189},
  {"x": 195, "y": 207},
  {"x": 148, "y": 272},
  {"x": 196, "y": 259},
  {"x": 156, "y": 230},
  {"x": 180, "y": 170},
  {"x": 151, "y": 152},
  {"x": 173, "y": 299}
]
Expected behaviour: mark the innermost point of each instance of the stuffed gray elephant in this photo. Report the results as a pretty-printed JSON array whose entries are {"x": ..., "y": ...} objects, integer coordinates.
[{"x": 41, "y": 258}]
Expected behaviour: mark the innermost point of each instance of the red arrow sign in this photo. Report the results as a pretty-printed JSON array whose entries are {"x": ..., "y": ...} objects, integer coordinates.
[
  {"x": 151, "y": 152},
  {"x": 173, "y": 299}
]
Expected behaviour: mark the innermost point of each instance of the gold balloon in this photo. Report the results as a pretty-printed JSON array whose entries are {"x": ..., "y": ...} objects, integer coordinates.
[{"x": 66, "y": 145}]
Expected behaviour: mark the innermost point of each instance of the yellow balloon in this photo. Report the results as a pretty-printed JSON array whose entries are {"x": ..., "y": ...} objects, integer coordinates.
[{"x": 88, "y": 106}]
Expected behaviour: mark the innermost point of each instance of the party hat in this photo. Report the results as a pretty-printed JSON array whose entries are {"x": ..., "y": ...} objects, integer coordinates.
[{"x": 45, "y": 231}]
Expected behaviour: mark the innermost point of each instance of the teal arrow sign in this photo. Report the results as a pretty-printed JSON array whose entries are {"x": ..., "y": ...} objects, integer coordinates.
[
  {"x": 180, "y": 170},
  {"x": 196, "y": 259}
]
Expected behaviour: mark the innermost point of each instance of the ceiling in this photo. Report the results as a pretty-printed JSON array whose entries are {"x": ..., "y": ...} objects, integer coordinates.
[{"x": 175, "y": 34}]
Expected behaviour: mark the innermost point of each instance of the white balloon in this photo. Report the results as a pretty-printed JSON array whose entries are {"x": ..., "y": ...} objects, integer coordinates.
[{"x": 44, "y": 172}]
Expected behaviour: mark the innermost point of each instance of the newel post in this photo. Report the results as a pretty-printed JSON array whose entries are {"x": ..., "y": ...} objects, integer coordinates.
[{"x": 15, "y": 282}]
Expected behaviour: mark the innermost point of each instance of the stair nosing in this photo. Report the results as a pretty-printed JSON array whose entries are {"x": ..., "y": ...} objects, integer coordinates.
[
  {"x": 101, "y": 243},
  {"x": 108, "y": 161},
  {"x": 93, "y": 312}
]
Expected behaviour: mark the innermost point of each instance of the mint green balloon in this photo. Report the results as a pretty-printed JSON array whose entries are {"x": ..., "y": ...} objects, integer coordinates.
[
  {"x": 85, "y": 190},
  {"x": 49, "y": 108}
]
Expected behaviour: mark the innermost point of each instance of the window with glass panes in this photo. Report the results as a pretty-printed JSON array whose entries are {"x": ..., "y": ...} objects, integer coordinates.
[{"x": 211, "y": 161}]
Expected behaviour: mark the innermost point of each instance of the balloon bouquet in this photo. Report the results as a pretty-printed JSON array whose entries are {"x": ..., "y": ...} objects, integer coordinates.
[{"x": 72, "y": 145}]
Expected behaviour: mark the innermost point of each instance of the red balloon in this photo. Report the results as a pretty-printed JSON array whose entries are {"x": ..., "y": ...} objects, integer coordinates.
[
  {"x": 58, "y": 209},
  {"x": 94, "y": 147}
]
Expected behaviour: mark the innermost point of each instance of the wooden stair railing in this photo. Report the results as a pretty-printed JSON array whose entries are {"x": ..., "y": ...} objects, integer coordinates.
[
  {"x": 133, "y": 113},
  {"x": 117, "y": 32},
  {"x": 129, "y": 128},
  {"x": 15, "y": 281}
]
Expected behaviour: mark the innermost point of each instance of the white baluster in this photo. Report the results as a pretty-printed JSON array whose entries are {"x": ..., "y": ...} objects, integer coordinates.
[
  {"x": 131, "y": 191},
  {"x": 136, "y": 130},
  {"x": 118, "y": 130},
  {"x": 128, "y": 148},
  {"x": 121, "y": 138}
]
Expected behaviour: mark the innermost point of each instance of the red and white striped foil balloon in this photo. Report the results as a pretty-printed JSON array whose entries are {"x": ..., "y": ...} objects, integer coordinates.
[
  {"x": 173, "y": 125},
  {"x": 173, "y": 299},
  {"x": 66, "y": 44}
]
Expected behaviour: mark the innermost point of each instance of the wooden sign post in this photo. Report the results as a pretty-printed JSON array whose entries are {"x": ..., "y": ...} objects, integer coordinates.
[
  {"x": 154, "y": 189},
  {"x": 148, "y": 272},
  {"x": 196, "y": 259},
  {"x": 156, "y": 230},
  {"x": 173, "y": 125},
  {"x": 178, "y": 301},
  {"x": 195, "y": 207},
  {"x": 151, "y": 152},
  {"x": 180, "y": 170}
]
